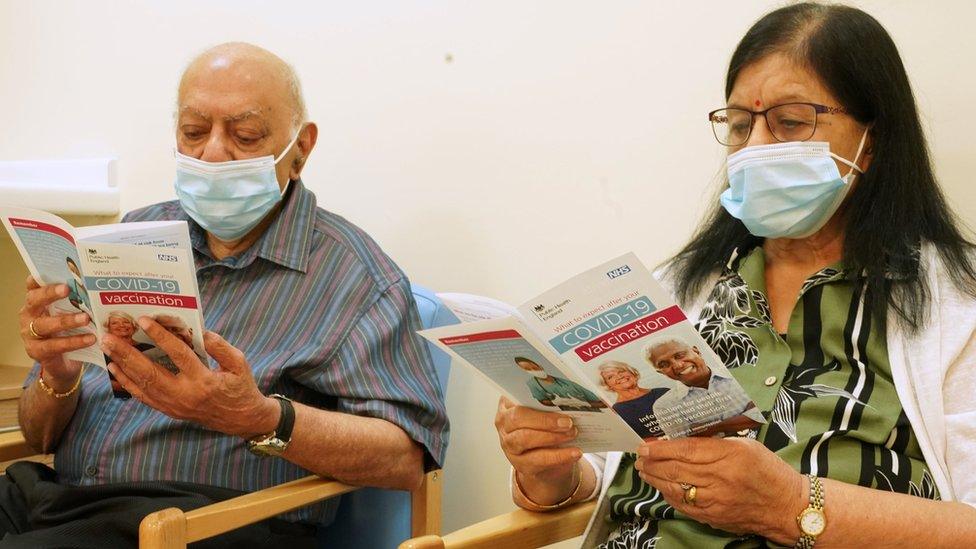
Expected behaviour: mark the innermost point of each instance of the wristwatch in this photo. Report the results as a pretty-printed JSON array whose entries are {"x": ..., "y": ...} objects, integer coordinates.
[
  {"x": 274, "y": 443},
  {"x": 812, "y": 520}
]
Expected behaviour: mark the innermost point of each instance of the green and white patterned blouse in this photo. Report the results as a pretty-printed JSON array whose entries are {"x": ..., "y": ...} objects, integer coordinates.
[{"x": 825, "y": 388}]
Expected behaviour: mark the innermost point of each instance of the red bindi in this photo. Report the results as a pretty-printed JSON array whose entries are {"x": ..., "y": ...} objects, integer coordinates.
[{"x": 758, "y": 103}]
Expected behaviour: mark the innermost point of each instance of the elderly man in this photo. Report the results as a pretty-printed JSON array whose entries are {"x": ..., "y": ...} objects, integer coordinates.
[
  {"x": 176, "y": 326},
  {"x": 318, "y": 365},
  {"x": 682, "y": 362}
]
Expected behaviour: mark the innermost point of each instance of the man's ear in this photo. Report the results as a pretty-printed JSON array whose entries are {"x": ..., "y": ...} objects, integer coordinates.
[{"x": 307, "y": 137}]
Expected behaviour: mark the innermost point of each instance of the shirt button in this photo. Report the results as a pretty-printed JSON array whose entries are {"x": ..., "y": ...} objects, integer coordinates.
[
  {"x": 770, "y": 381},
  {"x": 91, "y": 470}
]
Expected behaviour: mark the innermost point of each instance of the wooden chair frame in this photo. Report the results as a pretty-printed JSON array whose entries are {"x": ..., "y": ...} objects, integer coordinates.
[
  {"x": 173, "y": 528},
  {"x": 519, "y": 529}
]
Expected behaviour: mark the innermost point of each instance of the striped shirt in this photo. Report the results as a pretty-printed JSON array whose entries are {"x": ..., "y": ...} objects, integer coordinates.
[
  {"x": 323, "y": 317},
  {"x": 825, "y": 387}
]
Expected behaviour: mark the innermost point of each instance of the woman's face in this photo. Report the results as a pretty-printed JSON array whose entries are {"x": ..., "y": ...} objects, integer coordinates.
[
  {"x": 618, "y": 380},
  {"x": 120, "y": 327},
  {"x": 775, "y": 80}
]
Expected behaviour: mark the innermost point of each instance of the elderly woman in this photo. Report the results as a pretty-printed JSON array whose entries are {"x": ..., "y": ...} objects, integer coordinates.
[
  {"x": 123, "y": 326},
  {"x": 634, "y": 404},
  {"x": 834, "y": 283}
]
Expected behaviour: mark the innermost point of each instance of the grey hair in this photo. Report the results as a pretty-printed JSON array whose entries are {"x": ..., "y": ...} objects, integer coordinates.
[
  {"x": 119, "y": 314},
  {"x": 616, "y": 365},
  {"x": 300, "y": 114},
  {"x": 655, "y": 343},
  {"x": 176, "y": 323}
]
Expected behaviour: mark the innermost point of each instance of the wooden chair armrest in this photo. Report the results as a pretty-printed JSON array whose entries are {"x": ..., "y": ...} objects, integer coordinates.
[
  {"x": 13, "y": 446},
  {"x": 517, "y": 529},
  {"x": 172, "y": 527}
]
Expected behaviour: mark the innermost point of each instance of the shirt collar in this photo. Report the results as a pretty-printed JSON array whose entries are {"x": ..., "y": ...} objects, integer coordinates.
[
  {"x": 287, "y": 241},
  {"x": 834, "y": 272}
]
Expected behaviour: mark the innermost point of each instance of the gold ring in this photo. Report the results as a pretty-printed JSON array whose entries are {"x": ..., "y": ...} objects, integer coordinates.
[
  {"x": 690, "y": 495},
  {"x": 34, "y": 334}
]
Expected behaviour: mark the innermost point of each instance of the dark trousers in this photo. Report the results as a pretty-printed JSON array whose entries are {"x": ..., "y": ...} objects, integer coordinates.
[{"x": 36, "y": 512}]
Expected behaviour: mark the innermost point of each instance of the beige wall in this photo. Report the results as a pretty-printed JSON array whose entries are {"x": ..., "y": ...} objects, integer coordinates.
[{"x": 562, "y": 133}]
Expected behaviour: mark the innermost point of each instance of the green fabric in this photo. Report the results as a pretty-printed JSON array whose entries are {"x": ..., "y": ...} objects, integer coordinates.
[
  {"x": 543, "y": 390},
  {"x": 825, "y": 389}
]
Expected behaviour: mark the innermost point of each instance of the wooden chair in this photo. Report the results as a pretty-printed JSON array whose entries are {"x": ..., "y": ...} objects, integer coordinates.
[
  {"x": 519, "y": 529},
  {"x": 173, "y": 528}
]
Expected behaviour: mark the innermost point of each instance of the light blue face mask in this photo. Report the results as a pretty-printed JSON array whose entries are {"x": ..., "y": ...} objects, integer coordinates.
[
  {"x": 787, "y": 190},
  {"x": 228, "y": 199}
]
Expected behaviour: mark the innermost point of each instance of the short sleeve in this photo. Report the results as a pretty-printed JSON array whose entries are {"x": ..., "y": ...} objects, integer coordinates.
[
  {"x": 537, "y": 391},
  {"x": 383, "y": 369}
]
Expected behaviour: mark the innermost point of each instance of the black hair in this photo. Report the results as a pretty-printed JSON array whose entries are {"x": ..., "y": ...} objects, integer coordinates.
[
  {"x": 896, "y": 206},
  {"x": 523, "y": 359},
  {"x": 72, "y": 261}
]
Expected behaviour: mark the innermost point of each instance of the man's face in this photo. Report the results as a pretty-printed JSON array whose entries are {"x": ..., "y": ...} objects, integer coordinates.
[
  {"x": 619, "y": 380},
  {"x": 234, "y": 107},
  {"x": 176, "y": 327},
  {"x": 529, "y": 366},
  {"x": 681, "y": 362},
  {"x": 120, "y": 327}
]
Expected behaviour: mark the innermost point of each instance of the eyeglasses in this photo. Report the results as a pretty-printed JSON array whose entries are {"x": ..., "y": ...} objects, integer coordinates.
[{"x": 787, "y": 122}]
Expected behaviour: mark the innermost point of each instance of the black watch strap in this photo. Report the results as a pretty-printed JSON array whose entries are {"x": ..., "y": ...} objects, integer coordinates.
[{"x": 287, "y": 421}]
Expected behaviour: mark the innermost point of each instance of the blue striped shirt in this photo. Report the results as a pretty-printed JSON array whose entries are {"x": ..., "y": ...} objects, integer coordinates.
[{"x": 322, "y": 315}]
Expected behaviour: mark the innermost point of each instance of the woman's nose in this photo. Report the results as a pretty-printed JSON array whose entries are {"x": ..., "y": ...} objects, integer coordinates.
[{"x": 761, "y": 134}]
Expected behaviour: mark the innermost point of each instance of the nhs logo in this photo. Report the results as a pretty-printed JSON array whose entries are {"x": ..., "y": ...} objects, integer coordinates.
[
  {"x": 167, "y": 257},
  {"x": 619, "y": 271}
]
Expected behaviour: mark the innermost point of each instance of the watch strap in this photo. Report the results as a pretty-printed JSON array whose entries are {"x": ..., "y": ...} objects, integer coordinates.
[
  {"x": 286, "y": 423},
  {"x": 806, "y": 540}
]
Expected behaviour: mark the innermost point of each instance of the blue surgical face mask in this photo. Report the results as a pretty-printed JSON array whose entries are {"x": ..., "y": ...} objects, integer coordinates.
[
  {"x": 228, "y": 199},
  {"x": 787, "y": 190}
]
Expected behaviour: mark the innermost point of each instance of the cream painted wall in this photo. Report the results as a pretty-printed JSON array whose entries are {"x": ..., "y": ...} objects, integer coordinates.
[{"x": 562, "y": 133}]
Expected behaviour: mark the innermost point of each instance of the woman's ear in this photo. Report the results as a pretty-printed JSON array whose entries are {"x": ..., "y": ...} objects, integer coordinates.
[{"x": 868, "y": 154}]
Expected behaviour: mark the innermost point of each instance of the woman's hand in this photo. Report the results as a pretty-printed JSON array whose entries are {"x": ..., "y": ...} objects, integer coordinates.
[
  {"x": 741, "y": 486},
  {"x": 43, "y": 344},
  {"x": 531, "y": 440}
]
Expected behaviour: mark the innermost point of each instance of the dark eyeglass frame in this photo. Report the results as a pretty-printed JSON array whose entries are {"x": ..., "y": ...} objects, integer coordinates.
[{"x": 818, "y": 109}]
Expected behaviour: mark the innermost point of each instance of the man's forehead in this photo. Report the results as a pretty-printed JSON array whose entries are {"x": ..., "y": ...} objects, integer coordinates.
[
  {"x": 670, "y": 347},
  {"x": 234, "y": 85}
]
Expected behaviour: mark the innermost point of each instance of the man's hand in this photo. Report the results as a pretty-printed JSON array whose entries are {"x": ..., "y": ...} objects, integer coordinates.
[
  {"x": 225, "y": 400},
  {"x": 44, "y": 344},
  {"x": 742, "y": 486}
]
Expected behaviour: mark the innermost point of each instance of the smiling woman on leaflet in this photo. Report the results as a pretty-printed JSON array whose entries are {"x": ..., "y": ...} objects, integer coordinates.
[{"x": 833, "y": 281}]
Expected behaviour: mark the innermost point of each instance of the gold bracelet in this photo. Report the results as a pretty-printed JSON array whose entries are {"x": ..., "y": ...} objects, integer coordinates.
[
  {"x": 47, "y": 388},
  {"x": 579, "y": 484}
]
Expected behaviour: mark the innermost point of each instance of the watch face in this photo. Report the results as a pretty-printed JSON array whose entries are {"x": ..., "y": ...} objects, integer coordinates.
[
  {"x": 268, "y": 447},
  {"x": 813, "y": 522}
]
